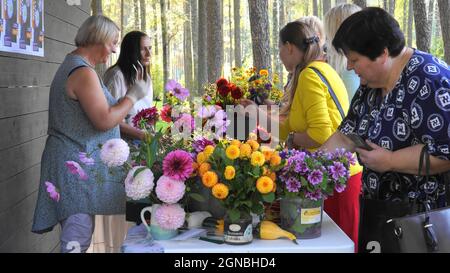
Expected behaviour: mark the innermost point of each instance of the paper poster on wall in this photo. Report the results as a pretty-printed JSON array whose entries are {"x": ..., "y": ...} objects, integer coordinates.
[{"x": 22, "y": 27}]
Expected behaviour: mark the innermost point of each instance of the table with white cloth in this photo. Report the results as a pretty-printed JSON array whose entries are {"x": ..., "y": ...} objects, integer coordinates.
[{"x": 332, "y": 240}]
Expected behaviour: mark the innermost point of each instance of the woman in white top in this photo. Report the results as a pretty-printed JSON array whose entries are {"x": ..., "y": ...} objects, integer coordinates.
[{"x": 135, "y": 54}]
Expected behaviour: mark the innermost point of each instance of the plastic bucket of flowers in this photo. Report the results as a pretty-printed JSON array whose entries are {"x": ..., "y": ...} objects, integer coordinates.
[{"x": 305, "y": 182}]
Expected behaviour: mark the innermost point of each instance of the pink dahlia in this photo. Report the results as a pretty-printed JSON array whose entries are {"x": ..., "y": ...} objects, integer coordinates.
[
  {"x": 147, "y": 116},
  {"x": 52, "y": 192},
  {"x": 75, "y": 168},
  {"x": 170, "y": 216},
  {"x": 168, "y": 190},
  {"x": 139, "y": 186},
  {"x": 114, "y": 152},
  {"x": 178, "y": 165},
  {"x": 166, "y": 113}
]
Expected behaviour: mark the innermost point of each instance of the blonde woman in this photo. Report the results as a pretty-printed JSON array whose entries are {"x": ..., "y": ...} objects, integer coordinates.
[
  {"x": 333, "y": 19},
  {"x": 311, "y": 115},
  {"x": 316, "y": 24},
  {"x": 82, "y": 115}
]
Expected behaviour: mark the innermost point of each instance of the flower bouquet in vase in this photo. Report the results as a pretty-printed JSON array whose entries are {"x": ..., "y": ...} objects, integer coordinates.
[
  {"x": 305, "y": 182},
  {"x": 242, "y": 178}
]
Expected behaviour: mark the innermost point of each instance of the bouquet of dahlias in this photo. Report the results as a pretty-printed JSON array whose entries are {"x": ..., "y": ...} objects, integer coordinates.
[
  {"x": 240, "y": 175},
  {"x": 314, "y": 175}
]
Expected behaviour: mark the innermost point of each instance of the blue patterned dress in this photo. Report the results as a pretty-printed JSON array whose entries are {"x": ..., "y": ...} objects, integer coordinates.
[
  {"x": 69, "y": 132},
  {"x": 416, "y": 111}
]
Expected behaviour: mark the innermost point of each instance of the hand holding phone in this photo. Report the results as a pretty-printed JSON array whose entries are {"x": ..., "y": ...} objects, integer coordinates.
[{"x": 359, "y": 142}]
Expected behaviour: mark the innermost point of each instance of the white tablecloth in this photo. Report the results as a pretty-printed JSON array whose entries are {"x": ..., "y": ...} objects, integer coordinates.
[{"x": 333, "y": 240}]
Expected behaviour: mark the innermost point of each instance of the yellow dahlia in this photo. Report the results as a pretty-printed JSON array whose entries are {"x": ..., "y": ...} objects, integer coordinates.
[
  {"x": 257, "y": 159},
  {"x": 209, "y": 179},
  {"x": 275, "y": 160},
  {"x": 264, "y": 184},
  {"x": 204, "y": 167},
  {"x": 229, "y": 173},
  {"x": 246, "y": 150},
  {"x": 209, "y": 150},
  {"x": 232, "y": 152},
  {"x": 220, "y": 191},
  {"x": 236, "y": 142},
  {"x": 264, "y": 72},
  {"x": 254, "y": 144},
  {"x": 201, "y": 158}
]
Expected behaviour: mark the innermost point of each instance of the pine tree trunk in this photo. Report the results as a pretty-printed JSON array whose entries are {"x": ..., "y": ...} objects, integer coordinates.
[
  {"x": 202, "y": 77},
  {"x": 444, "y": 11},
  {"x": 122, "y": 7},
  {"x": 155, "y": 26},
  {"x": 326, "y": 6},
  {"x": 385, "y": 5},
  {"x": 275, "y": 31},
  {"x": 143, "y": 16},
  {"x": 230, "y": 26},
  {"x": 405, "y": 15},
  {"x": 338, "y": 2},
  {"x": 97, "y": 9},
  {"x": 187, "y": 46},
  {"x": 392, "y": 7},
  {"x": 194, "y": 29},
  {"x": 431, "y": 20},
  {"x": 215, "y": 39},
  {"x": 136, "y": 14},
  {"x": 422, "y": 28},
  {"x": 237, "y": 33},
  {"x": 410, "y": 23},
  {"x": 96, "y": 6},
  {"x": 315, "y": 8},
  {"x": 281, "y": 12},
  {"x": 361, "y": 3},
  {"x": 165, "y": 41},
  {"x": 259, "y": 23}
]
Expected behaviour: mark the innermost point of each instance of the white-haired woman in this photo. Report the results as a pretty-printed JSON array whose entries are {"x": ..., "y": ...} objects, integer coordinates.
[
  {"x": 82, "y": 115},
  {"x": 332, "y": 20}
]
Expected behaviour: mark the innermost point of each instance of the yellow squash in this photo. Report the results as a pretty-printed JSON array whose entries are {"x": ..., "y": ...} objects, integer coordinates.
[{"x": 268, "y": 230}]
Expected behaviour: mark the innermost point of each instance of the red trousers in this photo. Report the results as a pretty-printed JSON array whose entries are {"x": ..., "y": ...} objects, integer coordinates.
[{"x": 343, "y": 208}]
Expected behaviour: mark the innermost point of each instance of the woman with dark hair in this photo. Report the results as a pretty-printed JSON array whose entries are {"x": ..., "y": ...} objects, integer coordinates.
[
  {"x": 402, "y": 105},
  {"x": 135, "y": 52}
]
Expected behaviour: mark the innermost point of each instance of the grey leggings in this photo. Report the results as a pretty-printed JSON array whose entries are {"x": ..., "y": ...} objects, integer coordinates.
[{"x": 76, "y": 233}]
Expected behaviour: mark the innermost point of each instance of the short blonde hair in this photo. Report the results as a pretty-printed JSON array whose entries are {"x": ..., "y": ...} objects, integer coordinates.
[
  {"x": 332, "y": 21},
  {"x": 97, "y": 29},
  {"x": 315, "y": 23}
]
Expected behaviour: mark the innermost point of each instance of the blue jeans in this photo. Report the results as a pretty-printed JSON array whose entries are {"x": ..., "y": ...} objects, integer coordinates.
[{"x": 76, "y": 233}]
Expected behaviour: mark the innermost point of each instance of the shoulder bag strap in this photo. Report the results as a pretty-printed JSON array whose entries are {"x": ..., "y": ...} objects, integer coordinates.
[{"x": 333, "y": 95}]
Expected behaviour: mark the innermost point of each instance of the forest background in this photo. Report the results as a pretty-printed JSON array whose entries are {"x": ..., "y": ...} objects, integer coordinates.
[{"x": 197, "y": 41}]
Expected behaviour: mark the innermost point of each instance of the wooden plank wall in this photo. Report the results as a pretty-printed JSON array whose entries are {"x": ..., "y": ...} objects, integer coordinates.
[{"x": 24, "y": 90}]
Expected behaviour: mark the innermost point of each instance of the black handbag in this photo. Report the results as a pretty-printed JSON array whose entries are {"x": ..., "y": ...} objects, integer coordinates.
[
  {"x": 427, "y": 232},
  {"x": 390, "y": 227}
]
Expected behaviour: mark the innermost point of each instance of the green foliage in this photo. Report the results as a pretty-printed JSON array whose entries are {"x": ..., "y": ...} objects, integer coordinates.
[{"x": 157, "y": 81}]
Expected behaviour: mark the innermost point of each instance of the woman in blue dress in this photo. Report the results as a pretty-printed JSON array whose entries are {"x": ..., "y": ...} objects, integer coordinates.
[
  {"x": 82, "y": 115},
  {"x": 402, "y": 105}
]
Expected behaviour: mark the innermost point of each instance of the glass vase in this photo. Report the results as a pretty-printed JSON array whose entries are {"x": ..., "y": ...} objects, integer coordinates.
[
  {"x": 302, "y": 216},
  {"x": 239, "y": 232}
]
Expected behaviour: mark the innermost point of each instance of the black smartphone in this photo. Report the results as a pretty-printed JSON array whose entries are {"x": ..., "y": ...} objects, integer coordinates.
[{"x": 359, "y": 142}]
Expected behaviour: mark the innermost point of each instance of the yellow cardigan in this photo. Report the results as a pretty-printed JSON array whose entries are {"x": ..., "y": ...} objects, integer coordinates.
[{"x": 313, "y": 110}]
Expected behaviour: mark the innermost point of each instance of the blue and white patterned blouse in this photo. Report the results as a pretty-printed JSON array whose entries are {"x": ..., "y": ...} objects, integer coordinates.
[{"x": 416, "y": 111}]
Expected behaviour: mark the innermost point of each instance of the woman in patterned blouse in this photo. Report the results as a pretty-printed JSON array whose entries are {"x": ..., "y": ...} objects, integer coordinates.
[{"x": 403, "y": 104}]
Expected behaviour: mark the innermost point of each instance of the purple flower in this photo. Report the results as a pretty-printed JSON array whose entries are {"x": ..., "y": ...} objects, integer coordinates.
[
  {"x": 170, "y": 216},
  {"x": 283, "y": 154},
  {"x": 268, "y": 86},
  {"x": 200, "y": 144},
  {"x": 178, "y": 165},
  {"x": 337, "y": 170},
  {"x": 52, "y": 192},
  {"x": 185, "y": 122},
  {"x": 75, "y": 168},
  {"x": 177, "y": 90},
  {"x": 339, "y": 188},
  {"x": 293, "y": 185},
  {"x": 317, "y": 195},
  {"x": 301, "y": 167},
  {"x": 85, "y": 159},
  {"x": 207, "y": 111},
  {"x": 315, "y": 177},
  {"x": 351, "y": 159}
]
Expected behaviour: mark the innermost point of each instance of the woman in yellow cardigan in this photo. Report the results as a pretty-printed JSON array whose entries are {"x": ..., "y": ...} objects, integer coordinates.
[{"x": 309, "y": 115}]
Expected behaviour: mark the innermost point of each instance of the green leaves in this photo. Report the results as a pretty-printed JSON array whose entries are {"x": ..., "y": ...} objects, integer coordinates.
[
  {"x": 269, "y": 198},
  {"x": 197, "y": 197},
  {"x": 138, "y": 171}
]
